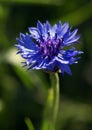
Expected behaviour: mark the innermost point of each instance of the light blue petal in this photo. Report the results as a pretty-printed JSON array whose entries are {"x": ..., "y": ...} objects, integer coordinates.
[
  {"x": 71, "y": 35},
  {"x": 34, "y": 32},
  {"x": 64, "y": 28},
  {"x": 40, "y": 27},
  {"x": 47, "y": 26},
  {"x": 68, "y": 43}
]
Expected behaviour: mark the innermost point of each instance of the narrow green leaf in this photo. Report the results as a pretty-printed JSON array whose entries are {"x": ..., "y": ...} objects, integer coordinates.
[{"x": 29, "y": 124}]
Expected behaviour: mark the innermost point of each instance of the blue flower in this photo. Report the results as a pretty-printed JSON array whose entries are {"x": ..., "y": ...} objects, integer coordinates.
[{"x": 45, "y": 47}]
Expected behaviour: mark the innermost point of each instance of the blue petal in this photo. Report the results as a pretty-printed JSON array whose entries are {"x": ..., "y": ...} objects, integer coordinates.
[
  {"x": 61, "y": 60},
  {"x": 71, "y": 35},
  {"x": 34, "y": 32},
  {"x": 22, "y": 36},
  {"x": 40, "y": 27},
  {"x": 59, "y": 25},
  {"x": 64, "y": 28},
  {"x": 58, "y": 31},
  {"x": 47, "y": 26},
  {"x": 26, "y": 42},
  {"x": 20, "y": 42},
  {"x": 64, "y": 68},
  {"x": 68, "y": 43},
  {"x": 35, "y": 58},
  {"x": 52, "y": 31}
]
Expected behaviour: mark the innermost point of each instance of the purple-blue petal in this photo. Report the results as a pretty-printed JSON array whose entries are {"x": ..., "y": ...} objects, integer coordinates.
[{"x": 64, "y": 68}]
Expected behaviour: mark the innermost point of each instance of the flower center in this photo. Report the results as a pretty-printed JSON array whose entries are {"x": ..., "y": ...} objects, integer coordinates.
[{"x": 50, "y": 48}]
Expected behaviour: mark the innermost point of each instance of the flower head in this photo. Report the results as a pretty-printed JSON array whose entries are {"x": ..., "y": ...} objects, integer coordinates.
[{"x": 44, "y": 47}]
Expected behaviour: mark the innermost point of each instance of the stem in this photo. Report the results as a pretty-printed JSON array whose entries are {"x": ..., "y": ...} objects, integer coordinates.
[
  {"x": 52, "y": 103},
  {"x": 55, "y": 86}
]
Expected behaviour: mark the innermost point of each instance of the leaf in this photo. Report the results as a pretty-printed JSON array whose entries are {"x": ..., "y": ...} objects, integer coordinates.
[{"x": 29, "y": 124}]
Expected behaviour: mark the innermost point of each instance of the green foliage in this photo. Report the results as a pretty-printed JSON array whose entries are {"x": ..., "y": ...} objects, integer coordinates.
[
  {"x": 29, "y": 124},
  {"x": 24, "y": 93}
]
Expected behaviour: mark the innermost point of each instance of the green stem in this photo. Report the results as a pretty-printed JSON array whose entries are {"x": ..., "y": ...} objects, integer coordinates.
[
  {"x": 51, "y": 108},
  {"x": 55, "y": 86}
]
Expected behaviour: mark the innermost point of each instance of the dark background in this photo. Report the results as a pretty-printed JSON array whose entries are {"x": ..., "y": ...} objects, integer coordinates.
[{"x": 23, "y": 93}]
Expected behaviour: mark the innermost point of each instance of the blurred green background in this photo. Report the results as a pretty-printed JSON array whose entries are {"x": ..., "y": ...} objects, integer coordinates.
[{"x": 23, "y": 93}]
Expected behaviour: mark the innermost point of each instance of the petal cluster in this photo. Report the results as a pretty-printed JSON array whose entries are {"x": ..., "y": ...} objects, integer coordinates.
[{"x": 44, "y": 47}]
